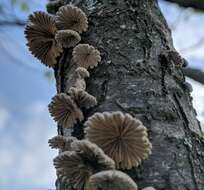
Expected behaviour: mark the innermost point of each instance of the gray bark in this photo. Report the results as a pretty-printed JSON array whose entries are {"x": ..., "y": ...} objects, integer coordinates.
[{"x": 141, "y": 75}]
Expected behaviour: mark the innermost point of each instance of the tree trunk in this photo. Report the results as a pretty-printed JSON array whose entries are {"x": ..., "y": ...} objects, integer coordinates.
[{"x": 141, "y": 74}]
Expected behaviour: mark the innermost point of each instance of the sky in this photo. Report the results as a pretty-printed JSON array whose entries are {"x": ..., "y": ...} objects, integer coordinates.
[{"x": 25, "y": 124}]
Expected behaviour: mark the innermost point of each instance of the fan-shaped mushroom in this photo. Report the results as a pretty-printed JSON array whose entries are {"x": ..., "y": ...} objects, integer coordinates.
[
  {"x": 40, "y": 34},
  {"x": 121, "y": 136},
  {"x": 64, "y": 110},
  {"x": 111, "y": 180},
  {"x": 72, "y": 18},
  {"x": 79, "y": 164},
  {"x": 85, "y": 55}
]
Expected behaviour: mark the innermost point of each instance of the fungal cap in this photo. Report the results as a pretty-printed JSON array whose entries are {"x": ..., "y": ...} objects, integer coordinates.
[
  {"x": 61, "y": 142},
  {"x": 121, "y": 136},
  {"x": 67, "y": 38},
  {"x": 82, "y": 72},
  {"x": 111, "y": 180},
  {"x": 78, "y": 165},
  {"x": 40, "y": 32},
  {"x": 72, "y": 18},
  {"x": 90, "y": 151},
  {"x": 85, "y": 55},
  {"x": 64, "y": 110},
  {"x": 82, "y": 98}
]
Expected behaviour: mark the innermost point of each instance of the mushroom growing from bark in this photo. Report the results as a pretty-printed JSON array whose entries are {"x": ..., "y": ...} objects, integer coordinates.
[
  {"x": 61, "y": 142},
  {"x": 85, "y": 160},
  {"x": 72, "y": 18},
  {"x": 64, "y": 110},
  {"x": 111, "y": 180},
  {"x": 85, "y": 55},
  {"x": 82, "y": 98},
  {"x": 67, "y": 38},
  {"x": 121, "y": 136},
  {"x": 77, "y": 78},
  {"x": 40, "y": 34}
]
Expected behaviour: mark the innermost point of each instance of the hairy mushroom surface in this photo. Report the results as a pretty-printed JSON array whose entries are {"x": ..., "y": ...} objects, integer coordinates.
[
  {"x": 85, "y": 160},
  {"x": 111, "y": 180},
  {"x": 67, "y": 38},
  {"x": 72, "y": 18},
  {"x": 82, "y": 98},
  {"x": 85, "y": 55},
  {"x": 64, "y": 110},
  {"x": 61, "y": 142},
  {"x": 40, "y": 34},
  {"x": 121, "y": 136}
]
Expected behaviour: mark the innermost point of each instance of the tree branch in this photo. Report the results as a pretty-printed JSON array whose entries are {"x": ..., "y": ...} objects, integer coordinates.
[
  {"x": 13, "y": 23},
  {"x": 197, "y": 4},
  {"x": 195, "y": 74}
]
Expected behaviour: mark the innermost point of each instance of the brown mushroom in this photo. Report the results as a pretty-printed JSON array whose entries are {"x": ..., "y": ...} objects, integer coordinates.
[
  {"x": 40, "y": 34},
  {"x": 72, "y": 18},
  {"x": 121, "y": 136},
  {"x": 82, "y": 98},
  {"x": 85, "y": 160},
  {"x": 111, "y": 180},
  {"x": 61, "y": 142},
  {"x": 67, "y": 38},
  {"x": 85, "y": 55},
  {"x": 64, "y": 110}
]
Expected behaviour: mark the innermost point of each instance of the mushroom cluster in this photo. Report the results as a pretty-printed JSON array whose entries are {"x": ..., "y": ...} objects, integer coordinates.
[{"x": 113, "y": 140}]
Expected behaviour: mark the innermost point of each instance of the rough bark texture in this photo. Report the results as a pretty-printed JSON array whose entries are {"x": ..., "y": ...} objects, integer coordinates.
[{"x": 139, "y": 74}]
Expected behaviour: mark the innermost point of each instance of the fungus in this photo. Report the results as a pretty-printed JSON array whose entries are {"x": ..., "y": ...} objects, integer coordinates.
[
  {"x": 64, "y": 110},
  {"x": 82, "y": 72},
  {"x": 82, "y": 98},
  {"x": 85, "y": 55},
  {"x": 72, "y": 18},
  {"x": 40, "y": 34},
  {"x": 61, "y": 142},
  {"x": 85, "y": 160},
  {"x": 121, "y": 136},
  {"x": 111, "y": 180},
  {"x": 67, "y": 38},
  {"x": 76, "y": 78}
]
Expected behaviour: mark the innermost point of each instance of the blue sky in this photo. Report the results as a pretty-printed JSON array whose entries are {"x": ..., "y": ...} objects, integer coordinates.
[{"x": 25, "y": 125}]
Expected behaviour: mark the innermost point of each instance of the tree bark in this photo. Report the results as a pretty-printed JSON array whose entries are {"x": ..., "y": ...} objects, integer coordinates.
[{"x": 139, "y": 74}]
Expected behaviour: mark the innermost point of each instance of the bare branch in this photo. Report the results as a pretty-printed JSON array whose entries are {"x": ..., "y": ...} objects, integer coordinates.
[
  {"x": 197, "y": 4},
  {"x": 195, "y": 74},
  {"x": 13, "y": 23}
]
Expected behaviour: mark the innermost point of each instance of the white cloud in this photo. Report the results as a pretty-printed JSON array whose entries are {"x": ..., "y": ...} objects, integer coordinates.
[{"x": 25, "y": 154}]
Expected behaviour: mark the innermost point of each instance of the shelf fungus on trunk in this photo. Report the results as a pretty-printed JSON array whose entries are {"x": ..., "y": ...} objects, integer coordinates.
[
  {"x": 40, "y": 34},
  {"x": 72, "y": 18},
  {"x": 77, "y": 79},
  {"x": 85, "y": 160},
  {"x": 85, "y": 55},
  {"x": 111, "y": 180},
  {"x": 61, "y": 142},
  {"x": 67, "y": 38},
  {"x": 121, "y": 136},
  {"x": 82, "y": 98},
  {"x": 64, "y": 110}
]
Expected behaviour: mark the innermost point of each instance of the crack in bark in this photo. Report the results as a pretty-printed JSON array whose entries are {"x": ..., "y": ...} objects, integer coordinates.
[{"x": 185, "y": 124}]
